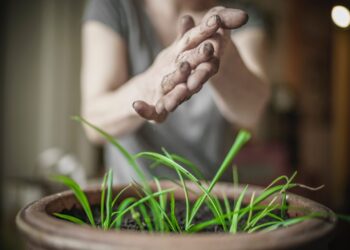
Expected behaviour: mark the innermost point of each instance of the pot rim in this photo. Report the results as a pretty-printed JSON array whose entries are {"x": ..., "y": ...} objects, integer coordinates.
[{"x": 35, "y": 223}]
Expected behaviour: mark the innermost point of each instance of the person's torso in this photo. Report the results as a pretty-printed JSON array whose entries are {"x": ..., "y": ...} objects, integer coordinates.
[{"x": 196, "y": 130}]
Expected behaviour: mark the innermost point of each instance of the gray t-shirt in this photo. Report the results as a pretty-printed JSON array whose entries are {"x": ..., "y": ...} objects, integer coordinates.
[{"x": 196, "y": 130}]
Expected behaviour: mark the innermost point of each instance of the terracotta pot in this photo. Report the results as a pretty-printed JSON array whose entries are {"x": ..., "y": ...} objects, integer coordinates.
[{"x": 43, "y": 231}]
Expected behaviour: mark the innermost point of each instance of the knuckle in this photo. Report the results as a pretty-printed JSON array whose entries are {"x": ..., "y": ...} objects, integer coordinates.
[
  {"x": 180, "y": 57},
  {"x": 165, "y": 83}
]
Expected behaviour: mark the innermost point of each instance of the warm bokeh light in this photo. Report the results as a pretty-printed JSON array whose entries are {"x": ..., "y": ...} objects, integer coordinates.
[{"x": 341, "y": 16}]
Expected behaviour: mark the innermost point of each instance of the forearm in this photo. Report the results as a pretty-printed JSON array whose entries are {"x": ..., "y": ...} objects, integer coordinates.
[
  {"x": 240, "y": 94},
  {"x": 112, "y": 110}
]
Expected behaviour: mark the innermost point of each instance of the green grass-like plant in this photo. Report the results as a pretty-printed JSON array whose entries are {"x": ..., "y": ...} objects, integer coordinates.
[{"x": 155, "y": 211}]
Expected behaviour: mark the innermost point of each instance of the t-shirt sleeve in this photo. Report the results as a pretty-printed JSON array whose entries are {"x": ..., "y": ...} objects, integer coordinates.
[{"x": 109, "y": 12}]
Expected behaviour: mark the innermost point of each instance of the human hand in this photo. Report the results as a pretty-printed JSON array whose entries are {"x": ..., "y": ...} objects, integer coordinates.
[{"x": 180, "y": 70}]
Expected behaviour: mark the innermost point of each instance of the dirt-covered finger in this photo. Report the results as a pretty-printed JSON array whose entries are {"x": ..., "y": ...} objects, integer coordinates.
[
  {"x": 174, "y": 98},
  {"x": 186, "y": 23},
  {"x": 148, "y": 111},
  {"x": 199, "y": 33},
  {"x": 178, "y": 76},
  {"x": 202, "y": 74},
  {"x": 202, "y": 53}
]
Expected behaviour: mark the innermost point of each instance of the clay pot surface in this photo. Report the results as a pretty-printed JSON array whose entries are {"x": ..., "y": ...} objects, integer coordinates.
[{"x": 43, "y": 231}]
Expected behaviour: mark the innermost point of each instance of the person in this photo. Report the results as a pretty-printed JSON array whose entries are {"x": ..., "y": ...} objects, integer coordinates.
[{"x": 153, "y": 84}]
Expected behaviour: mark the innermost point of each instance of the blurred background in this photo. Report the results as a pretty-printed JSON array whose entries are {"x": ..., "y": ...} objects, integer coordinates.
[{"x": 306, "y": 126}]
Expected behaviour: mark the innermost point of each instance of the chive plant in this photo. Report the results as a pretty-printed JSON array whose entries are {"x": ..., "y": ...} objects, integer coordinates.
[{"x": 155, "y": 211}]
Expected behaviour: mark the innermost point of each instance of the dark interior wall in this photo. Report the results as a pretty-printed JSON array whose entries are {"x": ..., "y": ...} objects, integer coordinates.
[
  {"x": 20, "y": 43},
  {"x": 309, "y": 74},
  {"x": 40, "y": 55},
  {"x": 2, "y": 94}
]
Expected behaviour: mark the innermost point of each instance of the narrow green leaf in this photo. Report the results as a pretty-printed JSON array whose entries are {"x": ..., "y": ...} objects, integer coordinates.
[
  {"x": 184, "y": 188},
  {"x": 238, "y": 203},
  {"x": 267, "y": 224},
  {"x": 161, "y": 203},
  {"x": 173, "y": 165},
  {"x": 122, "y": 206},
  {"x": 241, "y": 139},
  {"x": 79, "y": 194},
  {"x": 69, "y": 218},
  {"x": 109, "y": 207},
  {"x": 251, "y": 206},
  {"x": 292, "y": 221},
  {"x": 136, "y": 216},
  {"x": 102, "y": 202},
  {"x": 195, "y": 169},
  {"x": 121, "y": 213},
  {"x": 146, "y": 217},
  {"x": 172, "y": 212},
  {"x": 119, "y": 194},
  {"x": 129, "y": 157}
]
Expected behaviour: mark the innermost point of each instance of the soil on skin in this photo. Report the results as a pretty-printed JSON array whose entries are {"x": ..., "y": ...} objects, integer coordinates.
[{"x": 129, "y": 223}]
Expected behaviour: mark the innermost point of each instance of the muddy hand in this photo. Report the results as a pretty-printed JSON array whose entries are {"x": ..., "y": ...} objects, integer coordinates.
[{"x": 198, "y": 51}]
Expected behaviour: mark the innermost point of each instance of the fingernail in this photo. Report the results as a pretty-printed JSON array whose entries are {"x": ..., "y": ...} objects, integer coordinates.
[
  {"x": 207, "y": 49},
  {"x": 185, "y": 19},
  {"x": 184, "y": 67},
  {"x": 213, "y": 21}
]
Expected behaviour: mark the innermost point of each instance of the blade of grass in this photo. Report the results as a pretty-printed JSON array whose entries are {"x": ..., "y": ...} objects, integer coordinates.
[
  {"x": 217, "y": 211},
  {"x": 69, "y": 218},
  {"x": 266, "y": 194},
  {"x": 215, "y": 221},
  {"x": 283, "y": 177},
  {"x": 79, "y": 194},
  {"x": 195, "y": 169},
  {"x": 241, "y": 139},
  {"x": 122, "y": 206},
  {"x": 129, "y": 157},
  {"x": 184, "y": 188},
  {"x": 119, "y": 194},
  {"x": 161, "y": 203},
  {"x": 270, "y": 207},
  {"x": 136, "y": 216},
  {"x": 291, "y": 221},
  {"x": 267, "y": 224},
  {"x": 109, "y": 207},
  {"x": 173, "y": 165},
  {"x": 274, "y": 216},
  {"x": 227, "y": 206},
  {"x": 102, "y": 202},
  {"x": 140, "y": 201},
  {"x": 146, "y": 217},
  {"x": 172, "y": 212},
  {"x": 238, "y": 203},
  {"x": 251, "y": 206}
]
